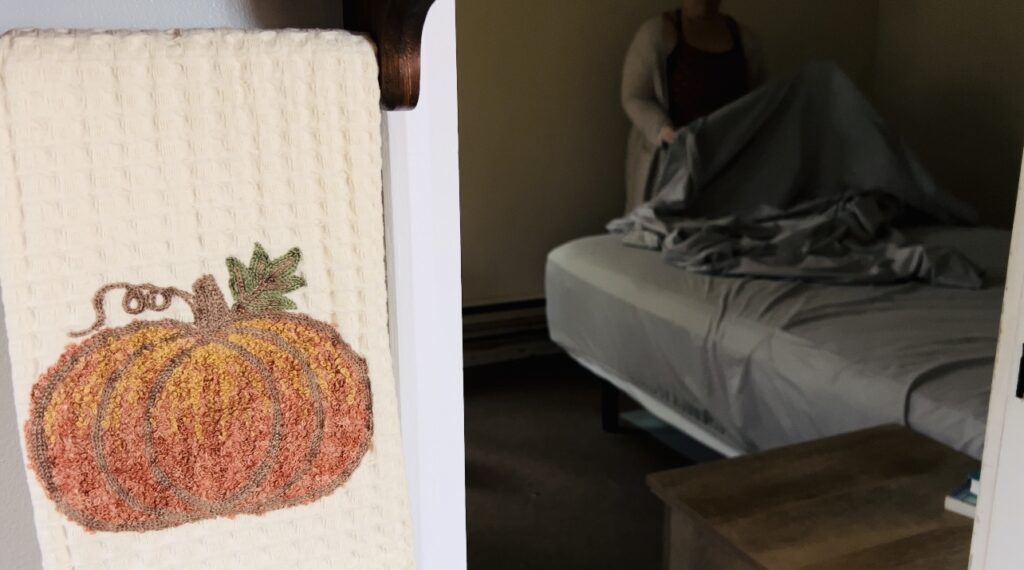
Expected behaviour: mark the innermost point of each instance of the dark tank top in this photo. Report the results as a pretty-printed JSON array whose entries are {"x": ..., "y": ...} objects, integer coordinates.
[{"x": 702, "y": 82}]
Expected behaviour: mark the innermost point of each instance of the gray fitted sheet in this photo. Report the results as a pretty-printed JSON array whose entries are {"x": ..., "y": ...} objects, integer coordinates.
[{"x": 766, "y": 363}]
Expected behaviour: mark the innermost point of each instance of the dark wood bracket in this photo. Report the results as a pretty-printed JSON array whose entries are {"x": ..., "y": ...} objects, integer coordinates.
[{"x": 396, "y": 27}]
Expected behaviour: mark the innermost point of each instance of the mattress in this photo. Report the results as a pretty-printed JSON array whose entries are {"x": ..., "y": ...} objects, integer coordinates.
[{"x": 764, "y": 363}]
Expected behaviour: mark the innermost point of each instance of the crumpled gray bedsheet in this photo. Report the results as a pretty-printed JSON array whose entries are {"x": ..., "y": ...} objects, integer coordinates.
[
  {"x": 769, "y": 362},
  {"x": 799, "y": 179}
]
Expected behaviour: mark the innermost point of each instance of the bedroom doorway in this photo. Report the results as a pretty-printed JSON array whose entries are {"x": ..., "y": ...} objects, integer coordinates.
[{"x": 572, "y": 335}]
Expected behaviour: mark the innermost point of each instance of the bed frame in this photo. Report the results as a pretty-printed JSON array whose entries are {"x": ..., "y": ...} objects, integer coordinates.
[
  {"x": 614, "y": 387},
  {"x": 396, "y": 27}
]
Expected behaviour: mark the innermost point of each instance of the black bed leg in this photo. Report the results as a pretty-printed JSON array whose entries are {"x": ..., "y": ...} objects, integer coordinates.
[{"x": 610, "y": 408}]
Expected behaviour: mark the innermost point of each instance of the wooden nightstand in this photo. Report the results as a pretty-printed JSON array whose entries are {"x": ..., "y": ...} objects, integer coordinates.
[{"x": 869, "y": 499}]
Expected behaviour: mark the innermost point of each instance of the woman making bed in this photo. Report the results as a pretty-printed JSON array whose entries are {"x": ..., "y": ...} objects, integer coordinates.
[
  {"x": 793, "y": 271},
  {"x": 682, "y": 65},
  {"x": 799, "y": 179}
]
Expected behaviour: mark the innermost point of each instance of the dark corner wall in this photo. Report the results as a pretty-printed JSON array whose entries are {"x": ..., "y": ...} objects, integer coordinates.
[{"x": 949, "y": 79}]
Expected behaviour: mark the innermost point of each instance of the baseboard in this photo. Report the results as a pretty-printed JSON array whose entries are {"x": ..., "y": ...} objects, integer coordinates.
[
  {"x": 504, "y": 332},
  {"x": 491, "y": 308}
]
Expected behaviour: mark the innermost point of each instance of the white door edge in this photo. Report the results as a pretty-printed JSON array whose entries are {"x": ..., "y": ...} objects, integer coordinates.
[
  {"x": 996, "y": 529},
  {"x": 424, "y": 273}
]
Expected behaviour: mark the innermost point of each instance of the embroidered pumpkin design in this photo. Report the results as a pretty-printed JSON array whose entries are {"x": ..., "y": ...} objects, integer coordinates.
[{"x": 248, "y": 409}]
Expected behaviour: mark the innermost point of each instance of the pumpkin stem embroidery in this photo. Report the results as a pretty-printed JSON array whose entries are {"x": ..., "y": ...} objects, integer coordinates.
[
  {"x": 208, "y": 304},
  {"x": 260, "y": 287},
  {"x": 247, "y": 409}
]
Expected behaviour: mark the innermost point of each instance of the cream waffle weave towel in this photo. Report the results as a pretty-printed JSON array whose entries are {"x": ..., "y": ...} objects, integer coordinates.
[{"x": 151, "y": 157}]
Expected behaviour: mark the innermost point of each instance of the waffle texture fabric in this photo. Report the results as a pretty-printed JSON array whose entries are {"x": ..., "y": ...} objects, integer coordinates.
[{"x": 151, "y": 157}]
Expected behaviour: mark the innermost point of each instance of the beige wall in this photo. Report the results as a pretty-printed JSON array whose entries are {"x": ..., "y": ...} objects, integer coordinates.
[
  {"x": 950, "y": 79},
  {"x": 543, "y": 137},
  {"x": 794, "y": 32}
]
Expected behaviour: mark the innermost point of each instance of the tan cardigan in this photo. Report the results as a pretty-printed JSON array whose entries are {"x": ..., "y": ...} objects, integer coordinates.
[{"x": 645, "y": 96}]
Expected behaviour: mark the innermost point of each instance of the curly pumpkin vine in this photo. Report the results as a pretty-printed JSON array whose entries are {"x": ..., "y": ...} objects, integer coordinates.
[{"x": 248, "y": 409}]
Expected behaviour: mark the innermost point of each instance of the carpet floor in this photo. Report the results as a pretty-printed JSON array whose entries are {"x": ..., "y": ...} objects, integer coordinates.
[{"x": 546, "y": 487}]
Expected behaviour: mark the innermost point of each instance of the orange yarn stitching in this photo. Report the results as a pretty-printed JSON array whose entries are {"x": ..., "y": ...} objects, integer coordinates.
[{"x": 160, "y": 423}]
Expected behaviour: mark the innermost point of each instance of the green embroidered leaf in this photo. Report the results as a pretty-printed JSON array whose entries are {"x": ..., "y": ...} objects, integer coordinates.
[
  {"x": 287, "y": 263},
  {"x": 260, "y": 260},
  {"x": 272, "y": 302},
  {"x": 287, "y": 284},
  {"x": 263, "y": 284},
  {"x": 238, "y": 278}
]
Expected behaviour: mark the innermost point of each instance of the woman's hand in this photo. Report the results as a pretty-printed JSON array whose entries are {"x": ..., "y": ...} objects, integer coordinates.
[{"x": 668, "y": 135}]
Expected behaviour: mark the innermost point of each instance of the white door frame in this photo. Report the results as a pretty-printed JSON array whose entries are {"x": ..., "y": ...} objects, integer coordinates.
[
  {"x": 424, "y": 272},
  {"x": 996, "y": 544}
]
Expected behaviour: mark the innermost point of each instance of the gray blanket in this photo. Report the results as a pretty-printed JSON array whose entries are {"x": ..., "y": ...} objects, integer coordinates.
[{"x": 799, "y": 179}]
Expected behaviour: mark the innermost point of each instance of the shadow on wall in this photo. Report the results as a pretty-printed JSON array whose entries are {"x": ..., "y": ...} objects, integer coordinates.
[{"x": 296, "y": 13}]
